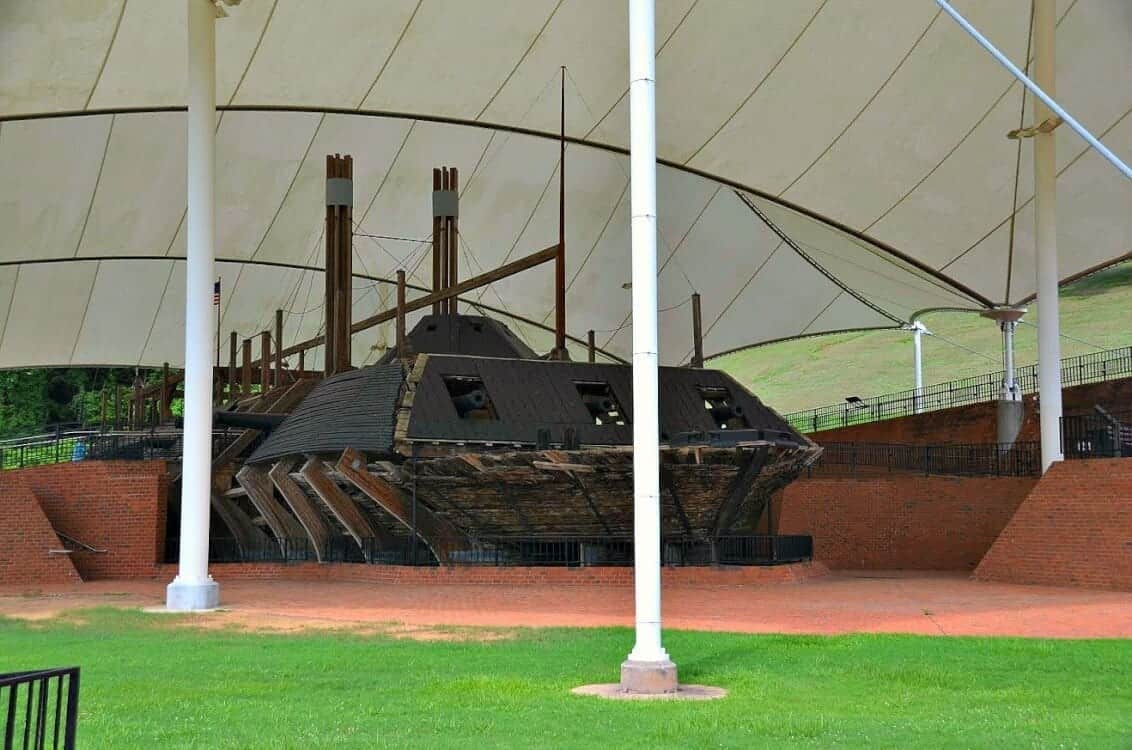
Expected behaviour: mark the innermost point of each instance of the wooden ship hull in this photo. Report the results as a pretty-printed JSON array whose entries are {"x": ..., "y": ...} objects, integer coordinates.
[
  {"x": 466, "y": 458},
  {"x": 462, "y": 445}
]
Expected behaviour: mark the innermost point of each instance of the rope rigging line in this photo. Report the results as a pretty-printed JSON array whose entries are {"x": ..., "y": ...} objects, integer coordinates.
[
  {"x": 1067, "y": 336},
  {"x": 965, "y": 348}
]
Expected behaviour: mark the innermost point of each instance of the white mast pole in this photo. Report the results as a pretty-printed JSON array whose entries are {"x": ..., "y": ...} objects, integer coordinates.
[
  {"x": 1045, "y": 212},
  {"x": 648, "y": 668},
  {"x": 193, "y": 588}
]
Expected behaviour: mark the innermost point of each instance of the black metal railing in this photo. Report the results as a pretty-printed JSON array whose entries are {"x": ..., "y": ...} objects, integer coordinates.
[
  {"x": 1079, "y": 370},
  {"x": 41, "y": 709},
  {"x": 535, "y": 551},
  {"x": 66, "y": 447},
  {"x": 1101, "y": 434},
  {"x": 1020, "y": 459}
]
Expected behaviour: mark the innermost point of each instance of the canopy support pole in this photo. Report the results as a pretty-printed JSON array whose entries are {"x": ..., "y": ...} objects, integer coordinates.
[
  {"x": 193, "y": 588},
  {"x": 1045, "y": 234},
  {"x": 918, "y": 364},
  {"x": 648, "y": 668}
]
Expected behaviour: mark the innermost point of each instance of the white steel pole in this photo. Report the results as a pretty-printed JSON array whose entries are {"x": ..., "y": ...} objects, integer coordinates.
[
  {"x": 918, "y": 362},
  {"x": 1045, "y": 211},
  {"x": 1009, "y": 385},
  {"x": 193, "y": 588},
  {"x": 646, "y": 427}
]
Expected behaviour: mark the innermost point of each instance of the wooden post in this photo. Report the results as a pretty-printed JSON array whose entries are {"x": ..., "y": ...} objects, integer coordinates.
[
  {"x": 445, "y": 246},
  {"x": 138, "y": 421},
  {"x": 118, "y": 407},
  {"x": 339, "y": 261},
  {"x": 454, "y": 238},
  {"x": 278, "y": 348},
  {"x": 302, "y": 362},
  {"x": 246, "y": 374},
  {"x": 402, "y": 352},
  {"x": 436, "y": 247},
  {"x": 233, "y": 347},
  {"x": 165, "y": 414},
  {"x": 264, "y": 361},
  {"x": 591, "y": 346},
  {"x": 102, "y": 414},
  {"x": 697, "y": 332},
  {"x": 560, "y": 260}
]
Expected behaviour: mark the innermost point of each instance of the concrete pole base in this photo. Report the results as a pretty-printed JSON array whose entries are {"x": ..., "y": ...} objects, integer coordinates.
[
  {"x": 1010, "y": 416},
  {"x": 648, "y": 677},
  {"x": 192, "y": 597}
]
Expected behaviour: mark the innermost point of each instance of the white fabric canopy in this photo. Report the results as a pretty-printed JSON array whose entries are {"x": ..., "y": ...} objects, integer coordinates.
[{"x": 826, "y": 165}]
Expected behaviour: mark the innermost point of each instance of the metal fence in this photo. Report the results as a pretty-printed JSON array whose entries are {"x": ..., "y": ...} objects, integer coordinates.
[
  {"x": 536, "y": 551},
  {"x": 1020, "y": 459},
  {"x": 1099, "y": 435},
  {"x": 1086, "y": 368},
  {"x": 41, "y": 709},
  {"x": 65, "y": 447}
]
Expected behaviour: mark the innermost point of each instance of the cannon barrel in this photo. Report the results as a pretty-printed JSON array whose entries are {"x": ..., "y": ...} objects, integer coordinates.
[
  {"x": 597, "y": 405},
  {"x": 726, "y": 413},
  {"x": 470, "y": 401},
  {"x": 248, "y": 420}
]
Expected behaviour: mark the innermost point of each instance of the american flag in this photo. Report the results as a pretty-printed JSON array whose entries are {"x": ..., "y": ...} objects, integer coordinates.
[{"x": 216, "y": 293}]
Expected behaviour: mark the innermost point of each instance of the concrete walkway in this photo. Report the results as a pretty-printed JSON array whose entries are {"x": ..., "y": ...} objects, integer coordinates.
[{"x": 874, "y": 602}]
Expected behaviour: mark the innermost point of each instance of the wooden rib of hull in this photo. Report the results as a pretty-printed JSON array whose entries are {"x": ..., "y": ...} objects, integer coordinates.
[
  {"x": 356, "y": 523},
  {"x": 261, "y": 493},
  {"x": 301, "y": 505},
  {"x": 439, "y": 535}
]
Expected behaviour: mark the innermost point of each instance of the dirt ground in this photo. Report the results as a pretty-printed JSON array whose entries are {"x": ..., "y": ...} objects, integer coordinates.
[{"x": 873, "y": 602}]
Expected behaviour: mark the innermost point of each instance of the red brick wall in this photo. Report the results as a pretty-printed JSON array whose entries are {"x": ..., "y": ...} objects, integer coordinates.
[
  {"x": 896, "y": 521},
  {"x": 976, "y": 423},
  {"x": 118, "y": 506},
  {"x": 26, "y": 539},
  {"x": 1074, "y": 529},
  {"x": 490, "y": 575}
]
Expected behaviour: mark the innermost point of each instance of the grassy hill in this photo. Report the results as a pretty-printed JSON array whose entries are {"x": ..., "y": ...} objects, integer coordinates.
[{"x": 822, "y": 370}]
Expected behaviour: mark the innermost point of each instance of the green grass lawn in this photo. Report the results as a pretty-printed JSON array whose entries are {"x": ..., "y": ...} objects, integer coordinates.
[
  {"x": 821, "y": 370},
  {"x": 148, "y": 683}
]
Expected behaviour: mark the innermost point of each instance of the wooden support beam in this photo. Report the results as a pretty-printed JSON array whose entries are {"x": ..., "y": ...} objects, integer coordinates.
[
  {"x": 233, "y": 347},
  {"x": 302, "y": 361},
  {"x": 117, "y": 407},
  {"x": 278, "y": 348},
  {"x": 255, "y": 481},
  {"x": 727, "y": 513},
  {"x": 310, "y": 517},
  {"x": 697, "y": 332},
  {"x": 399, "y": 328},
  {"x": 102, "y": 413},
  {"x": 591, "y": 347},
  {"x": 248, "y": 536},
  {"x": 246, "y": 371},
  {"x": 555, "y": 466},
  {"x": 437, "y": 533},
  {"x": 343, "y": 506},
  {"x": 489, "y": 277},
  {"x": 668, "y": 482}
]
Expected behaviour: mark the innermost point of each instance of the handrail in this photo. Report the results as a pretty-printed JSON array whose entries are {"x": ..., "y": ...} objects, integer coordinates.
[{"x": 1085, "y": 368}]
